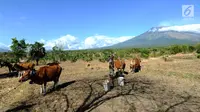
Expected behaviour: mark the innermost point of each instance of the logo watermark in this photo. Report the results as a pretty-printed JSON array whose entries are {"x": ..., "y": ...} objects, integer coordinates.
[{"x": 188, "y": 11}]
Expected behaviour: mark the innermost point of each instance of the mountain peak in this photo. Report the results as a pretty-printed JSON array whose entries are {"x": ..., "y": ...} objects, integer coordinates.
[
  {"x": 164, "y": 36},
  {"x": 155, "y": 29},
  {"x": 195, "y": 28}
]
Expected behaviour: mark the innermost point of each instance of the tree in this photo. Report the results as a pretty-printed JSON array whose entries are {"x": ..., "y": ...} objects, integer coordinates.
[
  {"x": 174, "y": 49},
  {"x": 18, "y": 48},
  {"x": 58, "y": 53},
  {"x": 184, "y": 48},
  {"x": 144, "y": 52},
  {"x": 197, "y": 48},
  {"x": 154, "y": 50},
  {"x": 37, "y": 51},
  {"x": 191, "y": 48}
]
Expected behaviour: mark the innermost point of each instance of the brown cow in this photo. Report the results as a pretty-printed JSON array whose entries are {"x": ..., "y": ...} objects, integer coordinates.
[
  {"x": 123, "y": 64},
  {"x": 23, "y": 66},
  {"x": 53, "y": 63},
  {"x": 120, "y": 64},
  {"x": 42, "y": 76},
  {"x": 135, "y": 67}
]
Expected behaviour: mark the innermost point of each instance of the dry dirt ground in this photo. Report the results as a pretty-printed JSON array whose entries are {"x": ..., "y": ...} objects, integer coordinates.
[{"x": 172, "y": 86}]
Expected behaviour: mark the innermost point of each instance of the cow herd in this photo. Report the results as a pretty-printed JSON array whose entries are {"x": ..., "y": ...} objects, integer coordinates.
[
  {"x": 134, "y": 65},
  {"x": 26, "y": 71},
  {"x": 18, "y": 67},
  {"x": 51, "y": 71}
]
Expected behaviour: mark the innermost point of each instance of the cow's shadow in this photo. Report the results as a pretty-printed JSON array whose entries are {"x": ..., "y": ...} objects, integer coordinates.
[
  {"x": 8, "y": 75},
  {"x": 20, "y": 108},
  {"x": 59, "y": 86}
]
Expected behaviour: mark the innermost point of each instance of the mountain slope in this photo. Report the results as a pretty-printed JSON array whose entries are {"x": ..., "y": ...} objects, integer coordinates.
[
  {"x": 157, "y": 37},
  {"x": 3, "y": 48}
]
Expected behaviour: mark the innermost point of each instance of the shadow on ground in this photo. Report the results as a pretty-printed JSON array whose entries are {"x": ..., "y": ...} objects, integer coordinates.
[
  {"x": 8, "y": 75},
  {"x": 60, "y": 86},
  {"x": 19, "y": 108},
  {"x": 27, "y": 105},
  {"x": 88, "y": 95}
]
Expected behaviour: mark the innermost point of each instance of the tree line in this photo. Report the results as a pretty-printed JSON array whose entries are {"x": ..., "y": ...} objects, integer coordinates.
[{"x": 22, "y": 50}]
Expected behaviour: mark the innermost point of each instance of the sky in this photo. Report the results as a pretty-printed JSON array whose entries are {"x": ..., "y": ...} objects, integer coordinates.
[{"x": 78, "y": 24}]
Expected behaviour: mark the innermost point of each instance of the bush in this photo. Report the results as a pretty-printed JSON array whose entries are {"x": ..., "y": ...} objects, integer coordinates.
[
  {"x": 175, "y": 49},
  {"x": 198, "y": 56},
  {"x": 102, "y": 60},
  {"x": 198, "y": 48},
  {"x": 167, "y": 58},
  {"x": 184, "y": 48},
  {"x": 145, "y": 53},
  {"x": 191, "y": 48},
  {"x": 73, "y": 59},
  {"x": 154, "y": 52},
  {"x": 161, "y": 52},
  {"x": 198, "y": 51}
]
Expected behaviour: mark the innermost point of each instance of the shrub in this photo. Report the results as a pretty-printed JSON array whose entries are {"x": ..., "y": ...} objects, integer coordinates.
[
  {"x": 167, "y": 58},
  {"x": 197, "y": 48},
  {"x": 73, "y": 59},
  {"x": 198, "y": 56},
  {"x": 161, "y": 52},
  {"x": 184, "y": 48},
  {"x": 191, "y": 48},
  {"x": 154, "y": 52},
  {"x": 144, "y": 53},
  {"x": 175, "y": 49}
]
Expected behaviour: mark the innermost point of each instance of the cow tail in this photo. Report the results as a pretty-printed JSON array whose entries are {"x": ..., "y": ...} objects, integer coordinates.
[{"x": 59, "y": 72}]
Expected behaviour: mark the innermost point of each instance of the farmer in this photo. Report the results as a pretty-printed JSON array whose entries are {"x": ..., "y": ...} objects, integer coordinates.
[{"x": 111, "y": 69}]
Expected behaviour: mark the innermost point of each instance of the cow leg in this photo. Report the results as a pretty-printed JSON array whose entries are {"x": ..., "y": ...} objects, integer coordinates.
[
  {"x": 19, "y": 74},
  {"x": 41, "y": 88},
  {"x": 45, "y": 84},
  {"x": 130, "y": 70},
  {"x": 55, "y": 84},
  {"x": 9, "y": 70}
]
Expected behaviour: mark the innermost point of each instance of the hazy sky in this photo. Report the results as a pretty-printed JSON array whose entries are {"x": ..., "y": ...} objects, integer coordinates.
[{"x": 48, "y": 20}]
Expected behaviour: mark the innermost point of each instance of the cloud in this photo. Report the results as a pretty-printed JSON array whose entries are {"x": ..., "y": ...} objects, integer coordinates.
[
  {"x": 65, "y": 42},
  {"x": 69, "y": 42},
  {"x": 186, "y": 28},
  {"x": 42, "y": 40},
  {"x": 3, "y": 46},
  {"x": 102, "y": 41}
]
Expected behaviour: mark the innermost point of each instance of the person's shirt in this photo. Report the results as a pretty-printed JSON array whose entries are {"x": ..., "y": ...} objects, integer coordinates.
[{"x": 111, "y": 63}]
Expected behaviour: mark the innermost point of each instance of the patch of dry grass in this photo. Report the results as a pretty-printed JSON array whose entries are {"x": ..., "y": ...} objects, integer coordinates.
[{"x": 160, "y": 86}]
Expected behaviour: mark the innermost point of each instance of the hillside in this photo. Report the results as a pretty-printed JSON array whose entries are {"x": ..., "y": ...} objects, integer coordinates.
[
  {"x": 3, "y": 50},
  {"x": 158, "y": 37}
]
